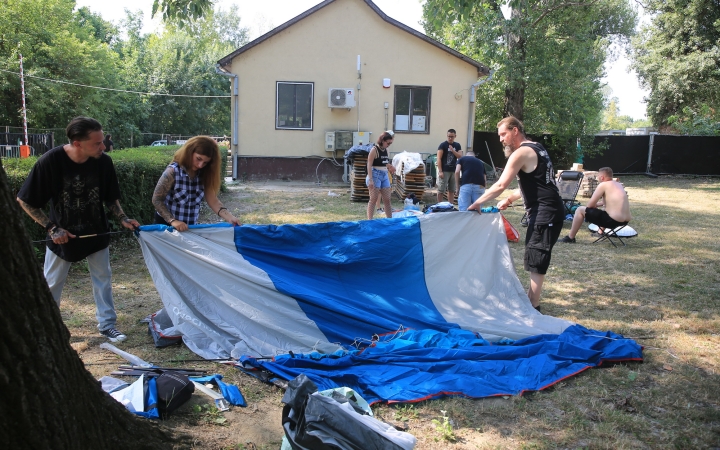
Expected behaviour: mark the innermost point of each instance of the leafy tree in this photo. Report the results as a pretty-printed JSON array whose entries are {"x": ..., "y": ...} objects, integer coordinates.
[
  {"x": 84, "y": 50},
  {"x": 182, "y": 12},
  {"x": 96, "y": 26},
  {"x": 56, "y": 43},
  {"x": 703, "y": 121},
  {"x": 677, "y": 57},
  {"x": 613, "y": 121},
  {"x": 548, "y": 59},
  {"x": 181, "y": 60}
]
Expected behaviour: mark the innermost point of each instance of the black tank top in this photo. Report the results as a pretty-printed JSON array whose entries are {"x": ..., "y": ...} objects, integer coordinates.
[
  {"x": 540, "y": 193},
  {"x": 381, "y": 158}
]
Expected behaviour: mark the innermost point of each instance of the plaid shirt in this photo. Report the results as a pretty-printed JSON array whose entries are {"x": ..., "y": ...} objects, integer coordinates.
[{"x": 183, "y": 200}]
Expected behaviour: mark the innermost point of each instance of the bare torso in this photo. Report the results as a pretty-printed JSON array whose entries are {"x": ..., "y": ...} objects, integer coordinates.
[{"x": 616, "y": 201}]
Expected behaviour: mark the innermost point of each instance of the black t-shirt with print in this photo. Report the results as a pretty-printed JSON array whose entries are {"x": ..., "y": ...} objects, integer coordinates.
[
  {"x": 448, "y": 161},
  {"x": 76, "y": 193}
]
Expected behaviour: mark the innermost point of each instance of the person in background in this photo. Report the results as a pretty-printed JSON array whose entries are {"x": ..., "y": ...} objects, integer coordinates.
[
  {"x": 379, "y": 169},
  {"x": 447, "y": 155},
  {"x": 193, "y": 175},
  {"x": 609, "y": 194},
  {"x": 473, "y": 181},
  {"x": 531, "y": 164},
  {"x": 77, "y": 179},
  {"x": 108, "y": 143}
]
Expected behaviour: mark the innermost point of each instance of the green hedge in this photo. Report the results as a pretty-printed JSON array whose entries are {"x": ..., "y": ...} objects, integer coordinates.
[{"x": 138, "y": 170}]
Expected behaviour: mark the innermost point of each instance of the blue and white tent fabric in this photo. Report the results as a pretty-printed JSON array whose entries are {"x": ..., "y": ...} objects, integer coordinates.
[
  {"x": 262, "y": 291},
  {"x": 268, "y": 290}
]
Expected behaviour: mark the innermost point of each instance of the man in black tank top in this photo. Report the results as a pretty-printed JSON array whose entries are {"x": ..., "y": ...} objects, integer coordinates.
[{"x": 530, "y": 163}]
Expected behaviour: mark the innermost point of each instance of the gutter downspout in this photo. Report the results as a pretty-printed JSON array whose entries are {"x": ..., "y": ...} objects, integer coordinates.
[
  {"x": 236, "y": 106},
  {"x": 471, "y": 122}
]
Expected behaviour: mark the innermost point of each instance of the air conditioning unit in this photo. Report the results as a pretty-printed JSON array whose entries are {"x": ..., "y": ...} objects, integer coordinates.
[{"x": 341, "y": 98}]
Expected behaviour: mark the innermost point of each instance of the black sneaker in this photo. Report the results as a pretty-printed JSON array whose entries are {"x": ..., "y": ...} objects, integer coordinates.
[
  {"x": 568, "y": 240},
  {"x": 113, "y": 335}
]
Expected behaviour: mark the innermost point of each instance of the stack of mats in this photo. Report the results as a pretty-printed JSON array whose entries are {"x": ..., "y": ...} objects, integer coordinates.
[
  {"x": 412, "y": 182},
  {"x": 358, "y": 189}
]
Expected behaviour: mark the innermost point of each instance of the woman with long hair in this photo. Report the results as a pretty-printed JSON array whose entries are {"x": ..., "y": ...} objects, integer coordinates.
[
  {"x": 380, "y": 169},
  {"x": 193, "y": 175}
]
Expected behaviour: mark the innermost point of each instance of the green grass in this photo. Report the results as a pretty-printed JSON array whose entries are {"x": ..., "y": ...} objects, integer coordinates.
[{"x": 662, "y": 289}]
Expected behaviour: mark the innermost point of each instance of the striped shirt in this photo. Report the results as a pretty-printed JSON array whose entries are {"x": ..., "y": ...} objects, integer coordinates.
[{"x": 184, "y": 199}]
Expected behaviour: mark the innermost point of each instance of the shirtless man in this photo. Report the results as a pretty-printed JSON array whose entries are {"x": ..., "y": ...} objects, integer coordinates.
[{"x": 615, "y": 200}]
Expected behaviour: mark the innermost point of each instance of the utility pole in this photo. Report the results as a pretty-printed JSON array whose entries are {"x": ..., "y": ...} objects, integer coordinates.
[{"x": 22, "y": 88}]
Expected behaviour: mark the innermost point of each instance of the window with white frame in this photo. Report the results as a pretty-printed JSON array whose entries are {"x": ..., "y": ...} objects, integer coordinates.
[
  {"x": 412, "y": 109},
  {"x": 293, "y": 105}
]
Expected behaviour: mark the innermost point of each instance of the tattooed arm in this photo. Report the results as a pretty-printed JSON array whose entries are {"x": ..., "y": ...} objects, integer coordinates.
[
  {"x": 58, "y": 235},
  {"x": 125, "y": 221},
  {"x": 163, "y": 187},
  {"x": 217, "y": 207}
]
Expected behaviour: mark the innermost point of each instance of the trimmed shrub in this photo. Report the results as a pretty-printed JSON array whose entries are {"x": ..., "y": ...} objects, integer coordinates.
[{"x": 138, "y": 170}]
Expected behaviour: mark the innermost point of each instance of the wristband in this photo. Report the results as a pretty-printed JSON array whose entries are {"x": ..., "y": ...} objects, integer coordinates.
[
  {"x": 220, "y": 210},
  {"x": 50, "y": 226}
]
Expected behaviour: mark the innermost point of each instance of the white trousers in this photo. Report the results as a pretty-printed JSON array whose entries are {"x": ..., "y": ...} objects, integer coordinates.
[{"x": 56, "y": 271}]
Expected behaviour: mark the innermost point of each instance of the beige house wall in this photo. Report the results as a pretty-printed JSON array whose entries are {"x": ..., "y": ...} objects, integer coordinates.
[{"x": 322, "y": 48}]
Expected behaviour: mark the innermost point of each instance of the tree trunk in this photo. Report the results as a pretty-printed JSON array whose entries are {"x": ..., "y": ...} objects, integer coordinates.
[
  {"x": 49, "y": 400},
  {"x": 515, "y": 92}
]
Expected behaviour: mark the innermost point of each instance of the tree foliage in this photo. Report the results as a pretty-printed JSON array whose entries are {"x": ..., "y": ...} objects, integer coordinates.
[
  {"x": 613, "y": 121},
  {"x": 182, "y": 12},
  {"x": 677, "y": 57},
  {"x": 79, "y": 47},
  {"x": 548, "y": 59}
]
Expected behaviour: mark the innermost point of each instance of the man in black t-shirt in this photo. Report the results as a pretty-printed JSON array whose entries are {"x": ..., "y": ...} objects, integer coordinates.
[
  {"x": 530, "y": 163},
  {"x": 447, "y": 155},
  {"x": 77, "y": 179}
]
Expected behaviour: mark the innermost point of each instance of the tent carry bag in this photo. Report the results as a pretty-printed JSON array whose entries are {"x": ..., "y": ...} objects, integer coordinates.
[{"x": 173, "y": 390}]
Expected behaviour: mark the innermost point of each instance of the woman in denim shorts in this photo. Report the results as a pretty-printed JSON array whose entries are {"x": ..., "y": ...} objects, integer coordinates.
[{"x": 379, "y": 170}]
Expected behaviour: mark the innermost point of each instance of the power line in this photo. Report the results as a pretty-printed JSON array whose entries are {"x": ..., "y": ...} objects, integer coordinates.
[{"x": 115, "y": 90}]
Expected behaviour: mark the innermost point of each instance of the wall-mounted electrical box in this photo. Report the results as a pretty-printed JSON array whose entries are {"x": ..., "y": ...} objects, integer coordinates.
[
  {"x": 343, "y": 140},
  {"x": 329, "y": 141},
  {"x": 338, "y": 140},
  {"x": 361, "y": 137}
]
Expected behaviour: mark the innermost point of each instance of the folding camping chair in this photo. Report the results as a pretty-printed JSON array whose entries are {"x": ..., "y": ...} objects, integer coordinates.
[
  {"x": 568, "y": 183},
  {"x": 620, "y": 232}
]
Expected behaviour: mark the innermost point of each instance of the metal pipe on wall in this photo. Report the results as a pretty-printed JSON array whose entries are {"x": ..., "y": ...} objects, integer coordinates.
[
  {"x": 236, "y": 109},
  {"x": 471, "y": 122}
]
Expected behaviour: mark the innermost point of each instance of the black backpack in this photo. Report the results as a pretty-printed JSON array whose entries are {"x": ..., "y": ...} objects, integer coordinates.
[{"x": 173, "y": 389}]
